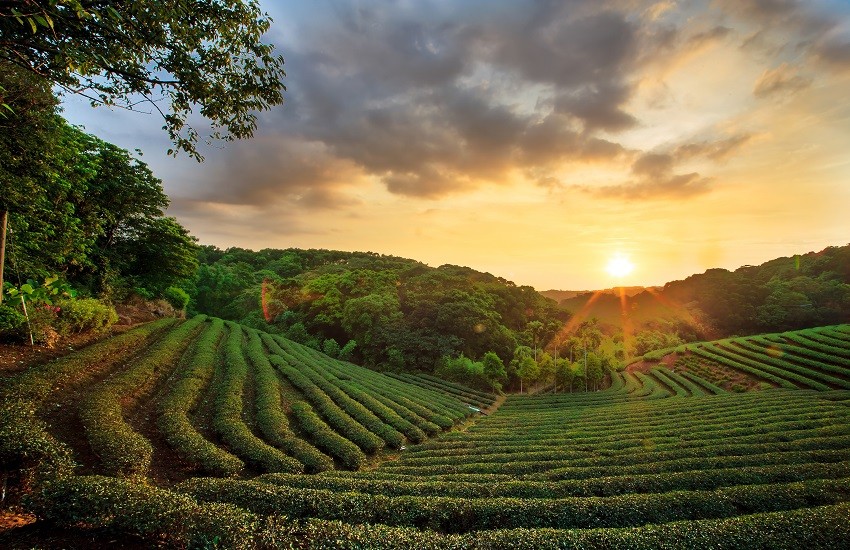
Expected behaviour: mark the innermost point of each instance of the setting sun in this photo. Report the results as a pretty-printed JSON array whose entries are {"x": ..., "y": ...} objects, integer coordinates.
[{"x": 619, "y": 266}]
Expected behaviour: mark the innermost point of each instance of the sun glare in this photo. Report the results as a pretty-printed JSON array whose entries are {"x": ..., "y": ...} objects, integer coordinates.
[{"x": 619, "y": 266}]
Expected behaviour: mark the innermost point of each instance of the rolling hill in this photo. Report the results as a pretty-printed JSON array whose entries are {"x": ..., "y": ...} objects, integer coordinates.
[{"x": 205, "y": 433}]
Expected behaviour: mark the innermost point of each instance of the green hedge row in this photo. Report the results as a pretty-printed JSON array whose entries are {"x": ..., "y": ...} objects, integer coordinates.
[
  {"x": 182, "y": 400},
  {"x": 829, "y": 348},
  {"x": 757, "y": 372},
  {"x": 364, "y": 482},
  {"x": 227, "y": 416},
  {"x": 534, "y": 461},
  {"x": 373, "y": 388},
  {"x": 323, "y": 436},
  {"x": 460, "y": 515},
  {"x": 432, "y": 401},
  {"x": 544, "y": 447},
  {"x": 271, "y": 418},
  {"x": 335, "y": 416},
  {"x": 355, "y": 409},
  {"x": 812, "y": 369},
  {"x": 660, "y": 375},
  {"x": 77, "y": 368},
  {"x": 25, "y": 444},
  {"x": 451, "y": 405},
  {"x": 161, "y": 516},
  {"x": 580, "y": 430},
  {"x": 135, "y": 508},
  {"x": 705, "y": 384},
  {"x": 485, "y": 397},
  {"x": 385, "y": 413},
  {"x": 641, "y": 441},
  {"x": 397, "y": 416},
  {"x": 121, "y": 449}
]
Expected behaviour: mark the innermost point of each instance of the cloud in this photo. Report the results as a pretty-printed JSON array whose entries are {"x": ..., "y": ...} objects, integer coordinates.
[
  {"x": 432, "y": 99},
  {"x": 268, "y": 172},
  {"x": 834, "y": 52},
  {"x": 670, "y": 186},
  {"x": 717, "y": 149},
  {"x": 783, "y": 80}
]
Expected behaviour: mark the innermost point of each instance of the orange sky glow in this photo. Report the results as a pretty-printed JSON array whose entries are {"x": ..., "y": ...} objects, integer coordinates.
[{"x": 535, "y": 140}]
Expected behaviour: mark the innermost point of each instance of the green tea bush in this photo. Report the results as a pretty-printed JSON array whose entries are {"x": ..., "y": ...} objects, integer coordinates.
[
  {"x": 84, "y": 314},
  {"x": 323, "y": 436},
  {"x": 12, "y": 324},
  {"x": 177, "y": 297},
  {"x": 182, "y": 399},
  {"x": 122, "y": 506}
]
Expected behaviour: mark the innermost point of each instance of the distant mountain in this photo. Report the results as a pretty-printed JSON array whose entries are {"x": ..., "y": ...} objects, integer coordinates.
[
  {"x": 788, "y": 293},
  {"x": 560, "y": 295}
]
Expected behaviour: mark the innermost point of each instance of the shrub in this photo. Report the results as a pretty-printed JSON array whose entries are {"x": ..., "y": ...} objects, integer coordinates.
[
  {"x": 12, "y": 323},
  {"x": 84, "y": 314},
  {"x": 177, "y": 297}
]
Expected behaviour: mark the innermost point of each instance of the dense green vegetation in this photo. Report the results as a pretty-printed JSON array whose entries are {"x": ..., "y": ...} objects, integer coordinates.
[
  {"x": 814, "y": 358},
  {"x": 790, "y": 293},
  {"x": 381, "y": 311},
  {"x": 657, "y": 454}
]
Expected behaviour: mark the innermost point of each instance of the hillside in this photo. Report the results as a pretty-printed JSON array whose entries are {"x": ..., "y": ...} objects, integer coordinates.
[
  {"x": 787, "y": 293},
  {"x": 191, "y": 432},
  {"x": 816, "y": 358},
  {"x": 384, "y": 311},
  {"x": 561, "y": 295}
]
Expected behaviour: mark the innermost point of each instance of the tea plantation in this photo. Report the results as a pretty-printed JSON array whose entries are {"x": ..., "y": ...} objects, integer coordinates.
[{"x": 205, "y": 433}]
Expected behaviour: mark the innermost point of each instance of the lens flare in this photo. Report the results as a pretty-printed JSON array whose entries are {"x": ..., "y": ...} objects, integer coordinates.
[{"x": 619, "y": 266}]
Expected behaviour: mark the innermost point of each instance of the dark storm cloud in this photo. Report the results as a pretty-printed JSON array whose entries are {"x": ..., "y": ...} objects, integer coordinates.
[
  {"x": 270, "y": 172},
  {"x": 438, "y": 98},
  {"x": 434, "y": 104}
]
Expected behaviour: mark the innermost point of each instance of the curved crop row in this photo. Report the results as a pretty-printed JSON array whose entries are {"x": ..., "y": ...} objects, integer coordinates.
[
  {"x": 122, "y": 450},
  {"x": 271, "y": 418},
  {"x": 370, "y": 384},
  {"x": 708, "y": 479},
  {"x": 181, "y": 401},
  {"x": 227, "y": 416},
  {"x": 316, "y": 429},
  {"x": 757, "y": 372},
  {"x": 161, "y": 515},
  {"x": 330, "y": 411},
  {"x": 458, "y": 515},
  {"x": 742, "y": 351},
  {"x": 25, "y": 443},
  {"x": 355, "y": 409}
]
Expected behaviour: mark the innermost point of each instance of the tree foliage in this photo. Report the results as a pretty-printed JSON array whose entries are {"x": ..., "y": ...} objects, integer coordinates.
[
  {"x": 398, "y": 311},
  {"x": 84, "y": 208},
  {"x": 206, "y": 56}
]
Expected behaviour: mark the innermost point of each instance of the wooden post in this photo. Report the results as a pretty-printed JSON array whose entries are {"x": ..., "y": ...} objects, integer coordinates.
[{"x": 4, "y": 218}]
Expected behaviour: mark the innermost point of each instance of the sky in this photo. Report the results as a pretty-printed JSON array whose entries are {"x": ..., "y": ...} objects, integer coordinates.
[{"x": 534, "y": 140}]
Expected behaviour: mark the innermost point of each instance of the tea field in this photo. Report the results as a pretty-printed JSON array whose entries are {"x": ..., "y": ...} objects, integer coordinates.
[{"x": 205, "y": 433}]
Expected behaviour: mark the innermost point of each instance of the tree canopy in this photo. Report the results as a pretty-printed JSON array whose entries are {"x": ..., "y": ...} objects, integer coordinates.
[
  {"x": 398, "y": 311},
  {"x": 207, "y": 55}
]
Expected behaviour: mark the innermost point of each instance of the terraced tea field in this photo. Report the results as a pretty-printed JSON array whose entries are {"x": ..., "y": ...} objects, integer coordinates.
[{"x": 206, "y": 433}]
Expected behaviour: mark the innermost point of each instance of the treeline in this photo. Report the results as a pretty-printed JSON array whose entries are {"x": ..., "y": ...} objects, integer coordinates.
[
  {"x": 381, "y": 311},
  {"x": 78, "y": 217},
  {"x": 783, "y": 294}
]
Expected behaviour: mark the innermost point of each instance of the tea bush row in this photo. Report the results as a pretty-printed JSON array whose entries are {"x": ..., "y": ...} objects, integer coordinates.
[
  {"x": 182, "y": 400},
  {"x": 227, "y": 419},
  {"x": 121, "y": 449}
]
